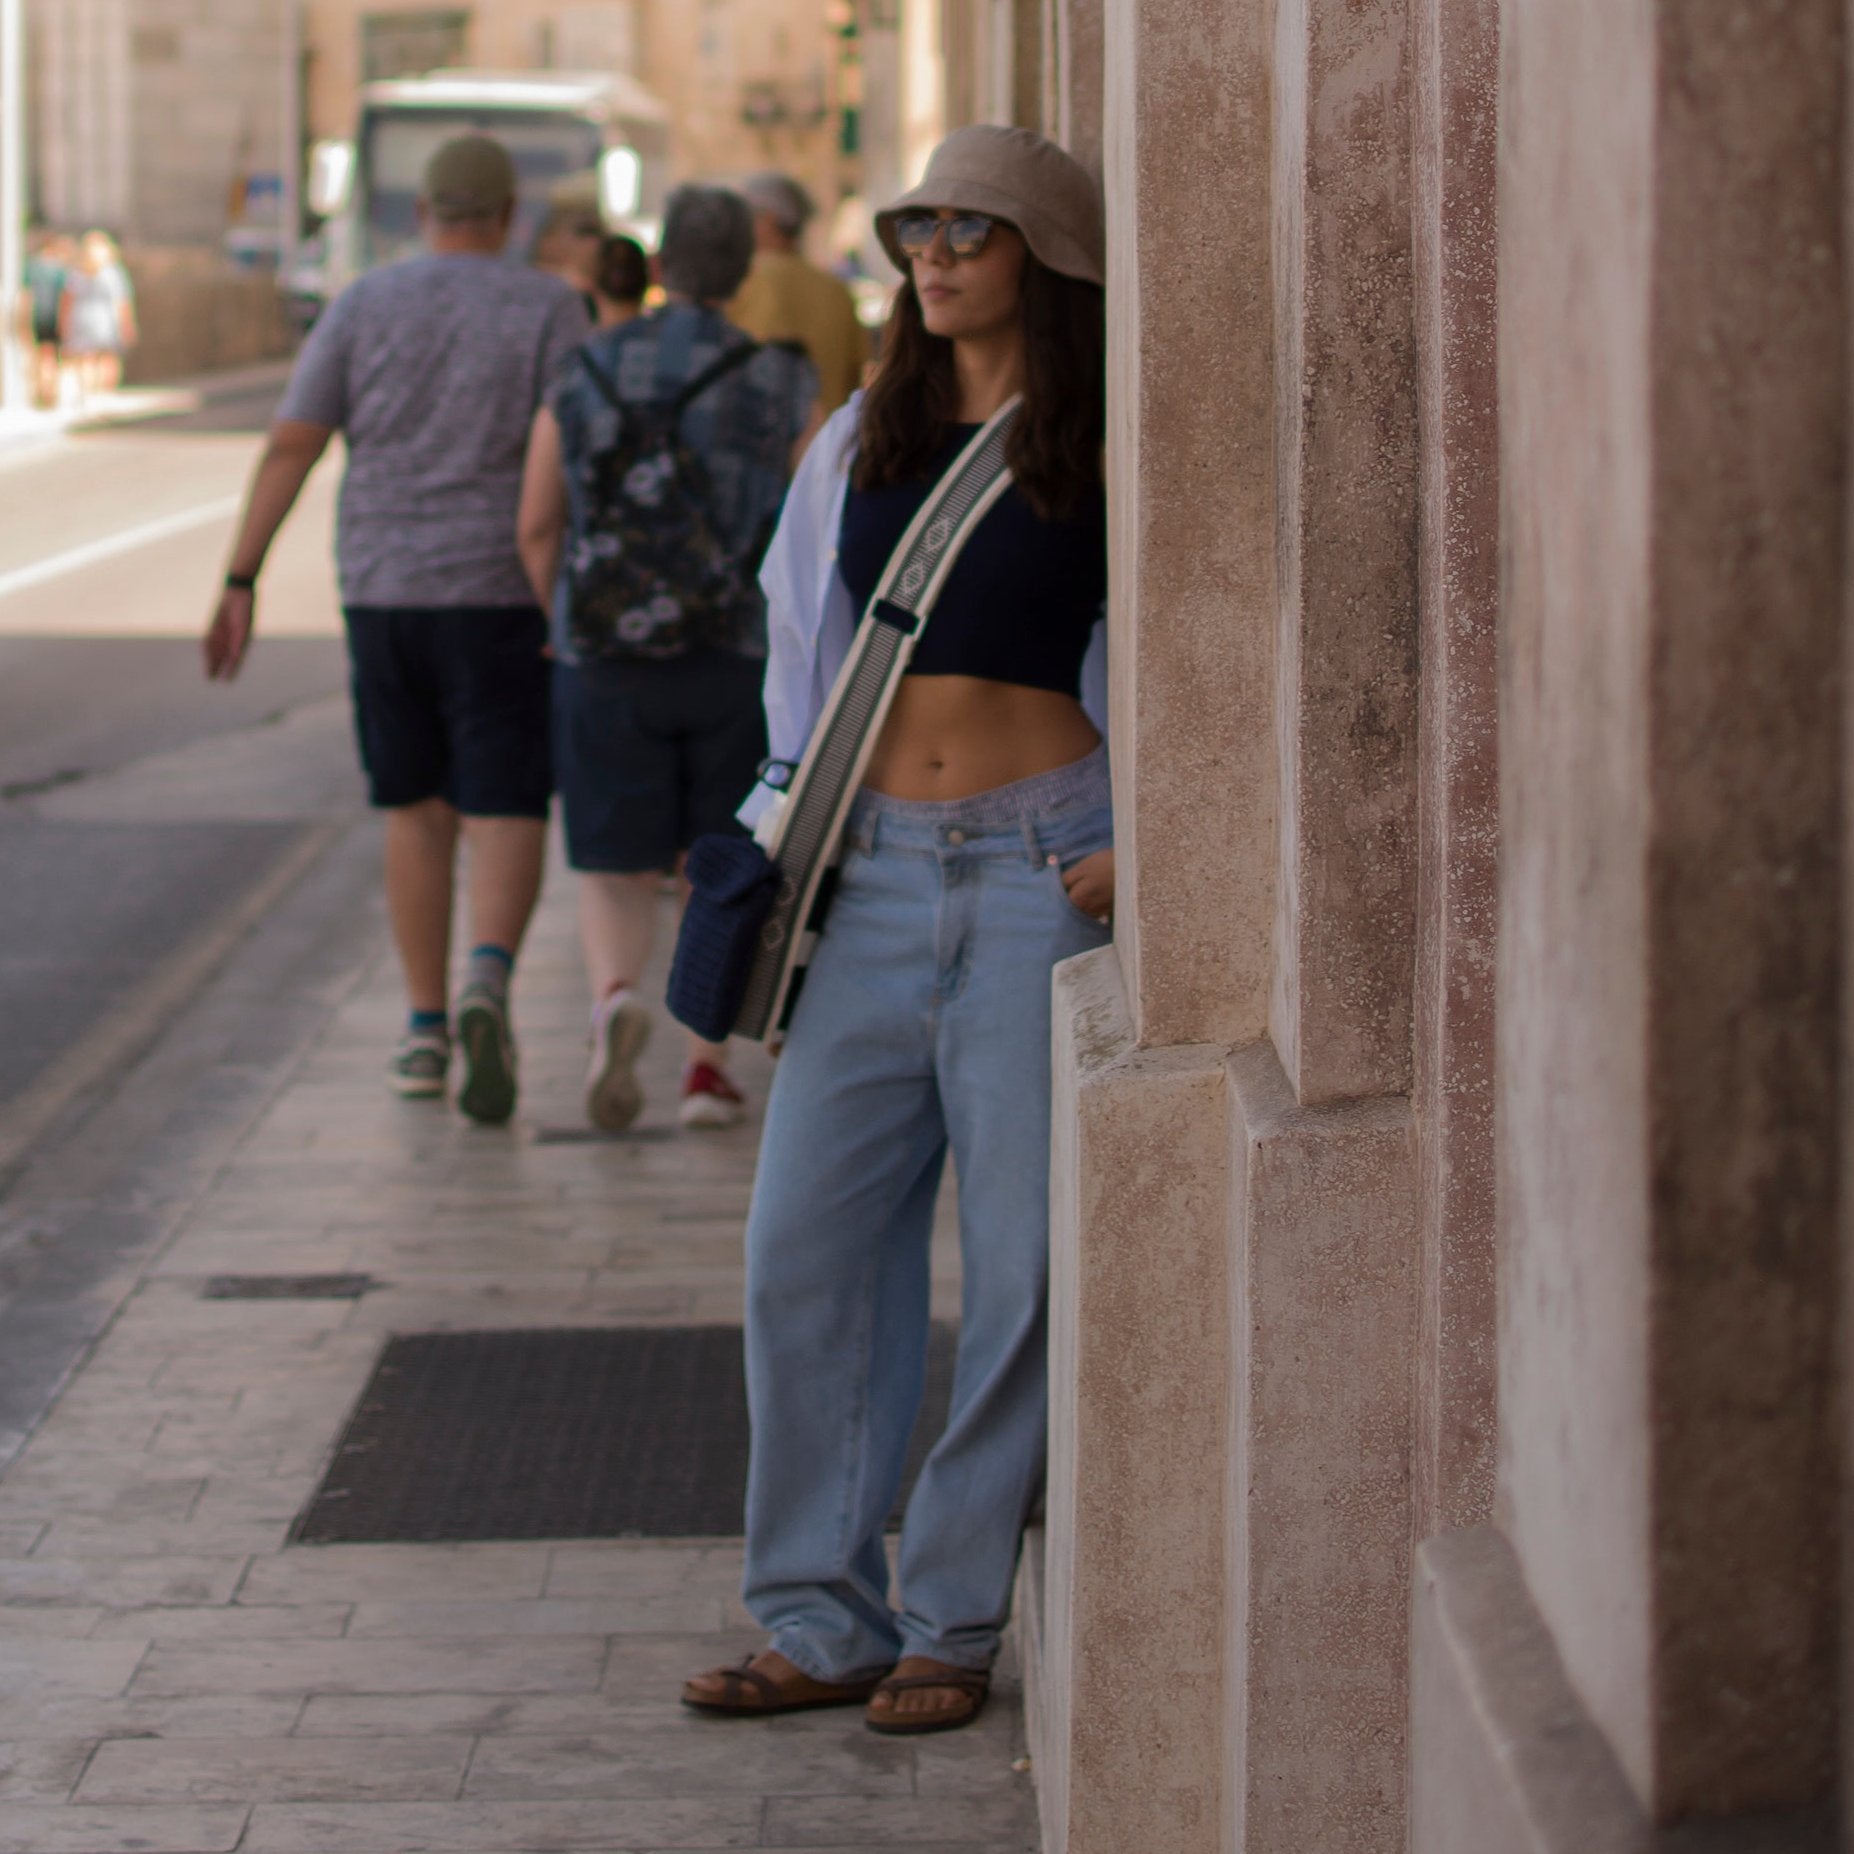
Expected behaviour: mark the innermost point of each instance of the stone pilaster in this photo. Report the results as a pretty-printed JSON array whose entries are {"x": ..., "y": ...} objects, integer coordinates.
[
  {"x": 1673, "y": 412},
  {"x": 1455, "y": 256},
  {"x": 1345, "y": 540},
  {"x": 1190, "y": 397}
]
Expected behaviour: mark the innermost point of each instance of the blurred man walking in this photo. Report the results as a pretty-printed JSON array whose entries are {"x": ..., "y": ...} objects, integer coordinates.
[
  {"x": 786, "y": 298},
  {"x": 432, "y": 369}
]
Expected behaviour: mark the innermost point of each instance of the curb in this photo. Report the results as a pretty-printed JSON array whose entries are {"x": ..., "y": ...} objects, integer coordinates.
[{"x": 137, "y": 404}]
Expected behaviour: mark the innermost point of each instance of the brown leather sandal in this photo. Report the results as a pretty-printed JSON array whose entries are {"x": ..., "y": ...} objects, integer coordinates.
[
  {"x": 968, "y": 1685},
  {"x": 747, "y": 1692}
]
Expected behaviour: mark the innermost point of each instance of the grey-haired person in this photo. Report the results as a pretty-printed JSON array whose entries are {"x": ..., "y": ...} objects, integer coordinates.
[
  {"x": 978, "y": 854},
  {"x": 431, "y": 369},
  {"x": 653, "y": 751}
]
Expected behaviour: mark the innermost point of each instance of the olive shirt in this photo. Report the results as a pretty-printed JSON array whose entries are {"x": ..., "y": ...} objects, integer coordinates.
[{"x": 786, "y": 299}]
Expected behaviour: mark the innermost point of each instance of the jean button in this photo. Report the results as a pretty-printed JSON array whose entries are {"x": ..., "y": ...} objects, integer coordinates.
[{"x": 955, "y": 837}]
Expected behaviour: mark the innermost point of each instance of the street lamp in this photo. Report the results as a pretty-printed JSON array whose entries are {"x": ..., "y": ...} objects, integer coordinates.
[{"x": 13, "y": 384}]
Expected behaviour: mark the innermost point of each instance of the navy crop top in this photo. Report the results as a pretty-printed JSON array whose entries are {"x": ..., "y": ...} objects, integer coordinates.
[{"x": 1022, "y": 597}]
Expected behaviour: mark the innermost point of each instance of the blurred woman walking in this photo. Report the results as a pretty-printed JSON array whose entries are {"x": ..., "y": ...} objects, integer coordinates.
[{"x": 97, "y": 318}]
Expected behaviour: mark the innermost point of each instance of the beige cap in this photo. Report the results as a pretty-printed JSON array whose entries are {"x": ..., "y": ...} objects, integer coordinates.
[
  {"x": 470, "y": 177},
  {"x": 1019, "y": 176}
]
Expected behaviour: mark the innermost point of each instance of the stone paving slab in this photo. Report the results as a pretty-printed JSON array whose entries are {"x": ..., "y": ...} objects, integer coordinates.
[
  {"x": 51, "y": 1829},
  {"x": 175, "y": 1678}
]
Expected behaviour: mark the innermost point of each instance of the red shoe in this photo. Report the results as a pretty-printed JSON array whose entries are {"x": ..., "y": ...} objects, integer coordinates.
[{"x": 709, "y": 1099}]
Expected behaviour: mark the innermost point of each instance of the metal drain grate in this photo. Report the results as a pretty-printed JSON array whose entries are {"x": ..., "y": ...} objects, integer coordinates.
[
  {"x": 289, "y": 1287},
  {"x": 635, "y": 1432}
]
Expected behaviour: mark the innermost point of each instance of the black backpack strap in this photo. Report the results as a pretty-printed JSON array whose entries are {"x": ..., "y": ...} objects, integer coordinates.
[
  {"x": 608, "y": 389},
  {"x": 714, "y": 371}
]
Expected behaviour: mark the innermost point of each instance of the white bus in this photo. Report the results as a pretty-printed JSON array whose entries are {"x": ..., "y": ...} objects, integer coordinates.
[{"x": 595, "y": 140}]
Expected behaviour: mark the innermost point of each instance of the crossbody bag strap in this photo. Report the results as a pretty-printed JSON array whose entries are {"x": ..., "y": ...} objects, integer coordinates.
[{"x": 811, "y": 820}]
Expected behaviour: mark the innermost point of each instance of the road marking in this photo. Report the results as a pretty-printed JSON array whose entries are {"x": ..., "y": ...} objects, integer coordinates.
[
  {"x": 75, "y": 559},
  {"x": 128, "y": 1030}
]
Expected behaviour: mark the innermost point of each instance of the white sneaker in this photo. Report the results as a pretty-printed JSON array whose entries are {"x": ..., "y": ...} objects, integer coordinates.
[
  {"x": 417, "y": 1067},
  {"x": 709, "y": 1098},
  {"x": 620, "y": 1030}
]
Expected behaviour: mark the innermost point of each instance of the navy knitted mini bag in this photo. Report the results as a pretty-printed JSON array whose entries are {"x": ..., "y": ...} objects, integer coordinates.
[{"x": 732, "y": 886}]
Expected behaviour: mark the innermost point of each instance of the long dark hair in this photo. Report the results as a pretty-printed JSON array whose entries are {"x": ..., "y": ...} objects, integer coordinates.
[{"x": 1055, "y": 446}]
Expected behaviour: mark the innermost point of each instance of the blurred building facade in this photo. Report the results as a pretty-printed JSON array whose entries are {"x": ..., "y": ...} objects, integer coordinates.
[
  {"x": 1450, "y": 1266},
  {"x": 749, "y": 84},
  {"x": 171, "y": 121},
  {"x": 154, "y": 118}
]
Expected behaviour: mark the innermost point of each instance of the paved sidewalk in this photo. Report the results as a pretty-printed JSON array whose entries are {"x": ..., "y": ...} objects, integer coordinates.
[
  {"x": 24, "y": 427},
  {"x": 174, "y": 1679}
]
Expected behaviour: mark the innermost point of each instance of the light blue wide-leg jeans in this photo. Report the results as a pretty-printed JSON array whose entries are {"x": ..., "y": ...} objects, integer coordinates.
[{"x": 923, "y": 1025}]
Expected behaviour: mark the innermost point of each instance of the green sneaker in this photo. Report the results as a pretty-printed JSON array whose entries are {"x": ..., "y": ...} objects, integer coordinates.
[
  {"x": 488, "y": 1091},
  {"x": 418, "y": 1066}
]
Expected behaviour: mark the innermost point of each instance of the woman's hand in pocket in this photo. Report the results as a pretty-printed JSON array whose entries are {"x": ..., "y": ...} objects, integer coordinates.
[{"x": 1090, "y": 884}]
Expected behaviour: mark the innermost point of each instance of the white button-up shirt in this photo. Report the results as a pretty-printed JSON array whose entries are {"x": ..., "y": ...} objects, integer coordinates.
[{"x": 810, "y": 620}]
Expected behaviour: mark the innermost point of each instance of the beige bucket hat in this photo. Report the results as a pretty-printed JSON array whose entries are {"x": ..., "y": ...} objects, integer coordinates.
[{"x": 1019, "y": 176}]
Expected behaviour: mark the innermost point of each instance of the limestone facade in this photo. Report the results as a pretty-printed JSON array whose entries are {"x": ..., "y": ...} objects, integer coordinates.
[
  {"x": 149, "y": 117},
  {"x": 749, "y": 84},
  {"x": 1447, "y": 1315}
]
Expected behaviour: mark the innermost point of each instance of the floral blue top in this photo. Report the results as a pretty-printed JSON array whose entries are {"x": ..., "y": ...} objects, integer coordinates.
[{"x": 743, "y": 427}]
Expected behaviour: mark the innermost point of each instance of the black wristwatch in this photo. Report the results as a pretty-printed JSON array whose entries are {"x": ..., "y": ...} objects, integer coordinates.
[{"x": 241, "y": 582}]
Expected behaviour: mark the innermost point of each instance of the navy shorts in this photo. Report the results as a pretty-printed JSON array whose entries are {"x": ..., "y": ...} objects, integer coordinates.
[
  {"x": 653, "y": 755},
  {"x": 451, "y": 703}
]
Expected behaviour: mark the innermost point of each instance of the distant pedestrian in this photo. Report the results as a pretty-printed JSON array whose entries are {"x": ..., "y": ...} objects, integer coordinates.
[
  {"x": 431, "y": 368},
  {"x": 787, "y": 298},
  {"x": 567, "y": 247},
  {"x": 979, "y": 854},
  {"x": 621, "y": 282},
  {"x": 47, "y": 267},
  {"x": 96, "y": 317},
  {"x": 658, "y": 732}
]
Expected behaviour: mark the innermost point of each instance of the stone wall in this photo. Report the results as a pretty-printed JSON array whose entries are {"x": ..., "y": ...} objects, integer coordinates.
[
  {"x": 699, "y": 59},
  {"x": 1672, "y": 364},
  {"x": 1477, "y": 461},
  {"x": 199, "y": 314},
  {"x": 1236, "y": 1199},
  {"x": 149, "y": 116}
]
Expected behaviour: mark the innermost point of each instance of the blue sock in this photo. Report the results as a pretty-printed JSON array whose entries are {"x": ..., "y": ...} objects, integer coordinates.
[
  {"x": 490, "y": 967},
  {"x": 427, "y": 1023}
]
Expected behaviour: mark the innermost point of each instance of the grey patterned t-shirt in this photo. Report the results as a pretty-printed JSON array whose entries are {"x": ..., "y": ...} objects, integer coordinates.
[{"x": 433, "y": 369}]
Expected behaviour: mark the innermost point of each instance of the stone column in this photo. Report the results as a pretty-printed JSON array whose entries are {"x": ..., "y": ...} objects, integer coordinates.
[
  {"x": 1229, "y": 1521},
  {"x": 1027, "y": 65},
  {"x": 1458, "y": 518},
  {"x": 1135, "y": 1606},
  {"x": 1072, "y": 51},
  {"x": 1673, "y": 423},
  {"x": 1345, "y": 523},
  {"x": 1191, "y": 484}
]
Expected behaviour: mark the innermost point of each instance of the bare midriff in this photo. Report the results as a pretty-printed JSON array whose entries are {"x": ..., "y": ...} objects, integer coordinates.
[{"x": 955, "y": 736}]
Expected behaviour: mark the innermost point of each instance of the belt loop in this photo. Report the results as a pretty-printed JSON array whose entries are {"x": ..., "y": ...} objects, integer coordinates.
[
  {"x": 872, "y": 830},
  {"x": 1031, "y": 846}
]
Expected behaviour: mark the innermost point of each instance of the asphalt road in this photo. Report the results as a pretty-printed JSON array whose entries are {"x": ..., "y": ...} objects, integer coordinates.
[{"x": 111, "y": 544}]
